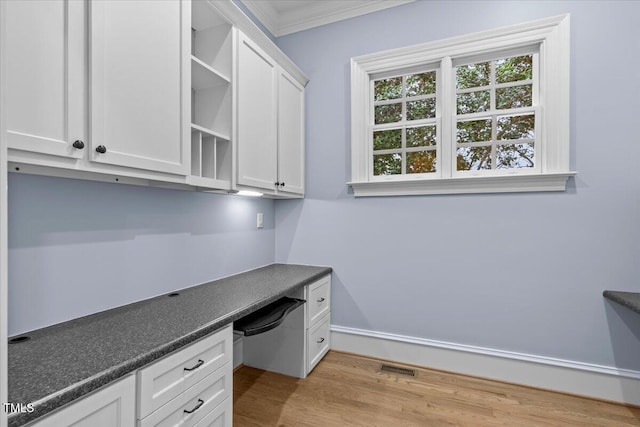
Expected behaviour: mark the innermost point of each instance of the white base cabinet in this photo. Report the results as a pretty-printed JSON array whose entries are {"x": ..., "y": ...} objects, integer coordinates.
[
  {"x": 183, "y": 388},
  {"x": 318, "y": 342},
  {"x": 196, "y": 403},
  {"x": 110, "y": 406},
  {"x": 318, "y": 321}
]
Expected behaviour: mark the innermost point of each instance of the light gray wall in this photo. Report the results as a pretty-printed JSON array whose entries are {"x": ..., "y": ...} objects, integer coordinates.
[
  {"x": 79, "y": 247},
  {"x": 516, "y": 272}
]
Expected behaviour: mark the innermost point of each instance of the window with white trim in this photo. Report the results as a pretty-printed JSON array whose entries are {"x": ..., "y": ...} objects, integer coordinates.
[{"x": 487, "y": 112}]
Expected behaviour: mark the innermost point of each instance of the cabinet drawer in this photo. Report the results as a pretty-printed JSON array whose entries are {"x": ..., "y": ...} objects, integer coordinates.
[
  {"x": 319, "y": 300},
  {"x": 170, "y": 376},
  {"x": 110, "y": 406},
  {"x": 194, "y": 405},
  {"x": 318, "y": 342},
  {"x": 222, "y": 416}
]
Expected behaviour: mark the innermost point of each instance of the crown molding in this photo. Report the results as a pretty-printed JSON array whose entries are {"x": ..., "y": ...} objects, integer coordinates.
[
  {"x": 314, "y": 15},
  {"x": 265, "y": 13}
]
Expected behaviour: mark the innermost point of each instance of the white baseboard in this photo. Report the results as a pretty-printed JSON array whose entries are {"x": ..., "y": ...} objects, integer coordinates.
[{"x": 601, "y": 382}]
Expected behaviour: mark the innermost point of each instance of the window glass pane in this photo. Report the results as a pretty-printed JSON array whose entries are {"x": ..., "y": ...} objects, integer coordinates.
[
  {"x": 514, "y": 69},
  {"x": 421, "y": 137},
  {"x": 515, "y": 156},
  {"x": 513, "y": 97},
  {"x": 424, "y": 109},
  {"x": 421, "y": 84},
  {"x": 516, "y": 127},
  {"x": 421, "y": 162},
  {"x": 474, "y": 158},
  {"x": 390, "y": 113},
  {"x": 474, "y": 131},
  {"x": 387, "y": 139},
  {"x": 387, "y": 164},
  {"x": 388, "y": 89},
  {"x": 473, "y": 102},
  {"x": 472, "y": 75}
]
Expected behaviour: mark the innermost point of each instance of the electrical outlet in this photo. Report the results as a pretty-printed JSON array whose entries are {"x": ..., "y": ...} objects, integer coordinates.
[{"x": 260, "y": 220}]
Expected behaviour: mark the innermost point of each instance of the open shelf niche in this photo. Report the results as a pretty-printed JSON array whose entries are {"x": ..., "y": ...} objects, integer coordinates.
[{"x": 211, "y": 71}]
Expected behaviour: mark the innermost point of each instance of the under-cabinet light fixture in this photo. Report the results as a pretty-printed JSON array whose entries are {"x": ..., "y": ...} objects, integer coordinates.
[{"x": 249, "y": 193}]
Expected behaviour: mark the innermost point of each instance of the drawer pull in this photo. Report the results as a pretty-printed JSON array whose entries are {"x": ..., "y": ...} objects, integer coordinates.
[
  {"x": 196, "y": 366},
  {"x": 200, "y": 403},
  {"x": 321, "y": 340},
  {"x": 321, "y": 300}
]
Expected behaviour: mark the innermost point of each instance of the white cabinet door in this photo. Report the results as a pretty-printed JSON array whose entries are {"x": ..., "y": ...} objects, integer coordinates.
[
  {"x": 111, "y": 406},
  {"x": 256, "y": 116},
  {"x": 139, "y": 93},
  {"x": 45, "y": 76},
  {"x": 290, "y": 135}
]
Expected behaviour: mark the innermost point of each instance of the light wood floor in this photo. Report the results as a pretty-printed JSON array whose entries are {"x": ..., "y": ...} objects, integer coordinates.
[{"x": 348, "y": 390}]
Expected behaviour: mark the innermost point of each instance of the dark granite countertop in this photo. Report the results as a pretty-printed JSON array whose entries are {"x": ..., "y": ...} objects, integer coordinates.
[
  {"x": 631, "y": 300},
  {"x": 61, "y": 363}
]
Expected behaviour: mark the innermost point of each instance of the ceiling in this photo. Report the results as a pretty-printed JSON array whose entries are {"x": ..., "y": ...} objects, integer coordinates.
[{"x": 282, "y": 17}]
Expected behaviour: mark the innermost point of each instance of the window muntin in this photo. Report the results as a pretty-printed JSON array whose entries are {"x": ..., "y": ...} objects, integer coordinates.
[
  {"x": 404, "y": 130},
  {"x": 496, "y": 114}
]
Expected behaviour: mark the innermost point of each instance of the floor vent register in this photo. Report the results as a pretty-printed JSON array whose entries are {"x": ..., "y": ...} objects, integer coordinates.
[{"x": 397, "y": 370}]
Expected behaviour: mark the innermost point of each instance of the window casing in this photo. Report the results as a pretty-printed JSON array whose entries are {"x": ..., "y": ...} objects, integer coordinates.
[{"x": 487, "y": 112}]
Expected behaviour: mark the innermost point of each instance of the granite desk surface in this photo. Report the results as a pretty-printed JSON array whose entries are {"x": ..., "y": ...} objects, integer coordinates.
[
  {"x": 631, "y": 300},
  {"x": 61, "y": 363}
]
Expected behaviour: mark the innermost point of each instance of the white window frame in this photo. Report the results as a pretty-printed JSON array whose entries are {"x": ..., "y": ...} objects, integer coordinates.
[{"x": 550, "y": 36}]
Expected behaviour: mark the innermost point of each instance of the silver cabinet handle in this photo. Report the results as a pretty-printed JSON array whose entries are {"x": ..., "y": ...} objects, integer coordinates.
[{"x": 321, "y": 340}]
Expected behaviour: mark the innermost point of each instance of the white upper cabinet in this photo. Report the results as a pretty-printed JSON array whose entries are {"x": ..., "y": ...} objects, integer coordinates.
[
  {"x": 139, "y": 98},
  {"x": 290, "y": 135},
  {"x": 156, "y": 92},
  {"x": 45, "y": 64},
  {"x": 270, "y": 124},
  {"x": 98, "y": 89},
  {"x": 256, "y": 116}
]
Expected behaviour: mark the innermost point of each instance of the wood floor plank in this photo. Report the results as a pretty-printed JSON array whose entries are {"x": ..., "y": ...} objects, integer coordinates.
[{"x": 350, "y": 390}]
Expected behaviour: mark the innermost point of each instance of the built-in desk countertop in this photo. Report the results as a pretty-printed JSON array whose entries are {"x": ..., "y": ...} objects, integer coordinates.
[
  {"x": 64, "y": 362},
  {"x": 631, "y": 300}
]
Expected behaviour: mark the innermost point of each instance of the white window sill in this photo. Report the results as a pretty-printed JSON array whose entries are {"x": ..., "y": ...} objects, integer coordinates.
[{"x": 462, "y": 185}]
